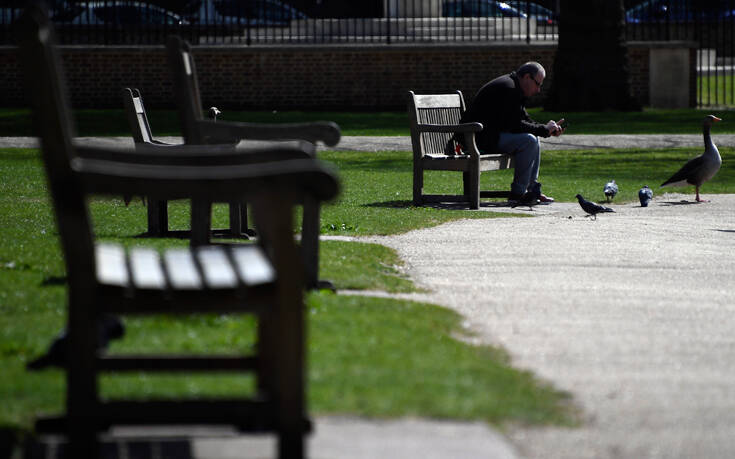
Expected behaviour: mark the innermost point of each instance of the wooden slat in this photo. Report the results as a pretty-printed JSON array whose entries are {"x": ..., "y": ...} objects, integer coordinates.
[
  {"x": 138, "y": 105},
  {"x": 176, "y": 363},
  {"x": 253, "y": 266},
  {"x": 144, "y": 129},
  {"x": 147, "y": 272},
  {"x": 255, "y": 415},
  {"x": 436, "y": 142},
  {"x": 187, "y": 62},
  {"x": 436, "y": 100},
  {"x": 111, "y": 266},
  {"x": 217, "y": 270},
  {"x": 202, "y": 411},
  {"x": 181, "y": 269}
]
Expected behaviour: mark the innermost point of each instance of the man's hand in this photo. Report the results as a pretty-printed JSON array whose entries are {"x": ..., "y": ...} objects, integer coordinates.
[{"x": 556, "y": 128}]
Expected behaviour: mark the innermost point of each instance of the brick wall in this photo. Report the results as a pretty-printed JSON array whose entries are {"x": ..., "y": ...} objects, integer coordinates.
[{"x": 341, "y": 77}]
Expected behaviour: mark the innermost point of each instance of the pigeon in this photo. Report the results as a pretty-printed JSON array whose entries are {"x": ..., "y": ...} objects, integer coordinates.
[
  {"x": 108, "y": 328},
  {"x": 530, "y": 198},
  {"x": 213, "y": 112},
  {"x": 698, "y": 170},
  {"x": 591, "y": 208},
  {"x": 645, "y": 195},
  {"x": 610, "y": 190}
]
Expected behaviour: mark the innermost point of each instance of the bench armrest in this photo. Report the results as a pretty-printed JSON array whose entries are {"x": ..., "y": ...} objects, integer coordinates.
[
  {"x": 214, "y": 183},
  {"x": 162, "y": 144},
  {"x": 464, "y": 127},
  {"x": 203, "y": 155},
  {"x": 227, "y": 131}
]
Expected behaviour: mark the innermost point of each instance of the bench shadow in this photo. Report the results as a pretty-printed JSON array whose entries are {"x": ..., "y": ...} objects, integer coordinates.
[
  {"x": 397, "y": 204},
  {"x": 404, "y": 204},
  {"x": 53, "y": 280},
  {"x": 115, "y": 449},
  {"x": 677, "y": 203}
]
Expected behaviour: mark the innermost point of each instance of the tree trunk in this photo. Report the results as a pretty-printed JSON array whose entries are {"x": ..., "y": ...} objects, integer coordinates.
[{"x": 591, "y": 70}]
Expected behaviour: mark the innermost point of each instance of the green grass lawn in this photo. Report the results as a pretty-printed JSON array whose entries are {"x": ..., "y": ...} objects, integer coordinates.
[
  {"x": 367, "y": 356},
  {"x": 17, "y": 122},
  {"x": 716, "y": 89}
]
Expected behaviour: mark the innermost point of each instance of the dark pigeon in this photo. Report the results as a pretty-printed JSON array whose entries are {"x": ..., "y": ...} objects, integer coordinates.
[
  {"x": 645, "y": 195},
  {"x": 108, "y": 328},
  {"x": 592, "y": 208},
  {"x": 610, "y": 190}
]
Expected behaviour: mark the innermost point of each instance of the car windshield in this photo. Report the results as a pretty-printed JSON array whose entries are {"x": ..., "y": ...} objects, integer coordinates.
[
  {"x": 255, "y": 9},
  {"x": 119, "y": 13},
  {"x": 534, "y": 8},
  {"x": 479, "y": 8},
  {"x": 679, "y": 10}
]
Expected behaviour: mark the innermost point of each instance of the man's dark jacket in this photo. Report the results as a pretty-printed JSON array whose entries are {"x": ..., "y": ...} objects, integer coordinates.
[{"x": 500, "y": 107}]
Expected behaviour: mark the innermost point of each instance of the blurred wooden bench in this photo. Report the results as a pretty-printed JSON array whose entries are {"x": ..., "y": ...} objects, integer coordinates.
[
  {"x": 197, "y": 130},
  {"x": 263, "y": 279},
  {"x": 434, "y": 130},
  {"x": 158, "y": 225}
]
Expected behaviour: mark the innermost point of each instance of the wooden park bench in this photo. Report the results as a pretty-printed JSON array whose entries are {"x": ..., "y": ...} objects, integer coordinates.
[
  {"x": 434, "y": 129},
  {"x": 263, "y": 279},
  {"x": 158, "y": 210},
  {"x": 198, "y": 130}
]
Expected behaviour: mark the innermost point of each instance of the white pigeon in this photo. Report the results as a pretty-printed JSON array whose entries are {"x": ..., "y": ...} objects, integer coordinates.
[{"x": 610, "y": 190}]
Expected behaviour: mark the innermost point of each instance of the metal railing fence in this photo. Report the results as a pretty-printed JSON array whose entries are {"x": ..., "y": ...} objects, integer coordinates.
[
  {"x": 252, "y": 22},
  {"x": 262, "y": 22}
]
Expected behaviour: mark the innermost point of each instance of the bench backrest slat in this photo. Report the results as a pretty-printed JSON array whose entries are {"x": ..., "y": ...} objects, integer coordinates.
[
  {"x": 437, "y": 109},
  {"x": 137, "y": 117}
]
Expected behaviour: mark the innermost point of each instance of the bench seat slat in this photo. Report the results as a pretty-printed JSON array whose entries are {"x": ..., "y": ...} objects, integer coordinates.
[
  {"x": 253, "y": 266},
  {"x": 216, "y": 268},
  {"x": 111, "y": 266},
  {"x": 181, "y": 269},
  {"x": 147, "y": 271}
]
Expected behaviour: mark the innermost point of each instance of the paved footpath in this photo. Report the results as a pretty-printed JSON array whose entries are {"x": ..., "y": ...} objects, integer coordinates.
[
  {"x": 632, "y": 314},
  {"x": 363, "y": 143}
]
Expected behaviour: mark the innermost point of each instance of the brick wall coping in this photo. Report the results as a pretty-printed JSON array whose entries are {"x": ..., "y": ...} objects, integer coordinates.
[{"x": 465, "y": 46}]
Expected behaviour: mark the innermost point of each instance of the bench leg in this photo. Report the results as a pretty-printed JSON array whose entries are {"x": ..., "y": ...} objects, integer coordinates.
[
  {"x": 157, "y": 217},
  {"x": 81, "y": 380},
  {"x": 201, "y": 222},
  {"x": 235, "y": 220},
  {"x": 244, "y": 220},
  {"x": 418, "y": 185},
  {"x": 290, "y": 445},
  {"x": 310, "y": 246},
  {"x": 474, "y": 184}
]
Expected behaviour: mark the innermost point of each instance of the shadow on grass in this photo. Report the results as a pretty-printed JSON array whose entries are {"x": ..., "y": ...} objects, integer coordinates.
[
  {"x": 404, "y": 204},
  {"x": 397, "y": 204},
  {"x": 51, "y": 281}
]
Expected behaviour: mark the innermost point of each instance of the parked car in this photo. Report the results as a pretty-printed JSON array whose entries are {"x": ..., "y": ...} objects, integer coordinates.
[
  {"x": 679, "y": 11},
  {"x": 119, "y": 13},
  {"x": 11, "y": 10},
  {"x": 543, "y": 15},
  {"x": 245, "y": 13},
  {"x": 480, "y": 8}
]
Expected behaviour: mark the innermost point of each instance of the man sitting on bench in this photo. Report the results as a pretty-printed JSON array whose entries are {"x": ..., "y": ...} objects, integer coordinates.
[{"x": 507, "y": 128}]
